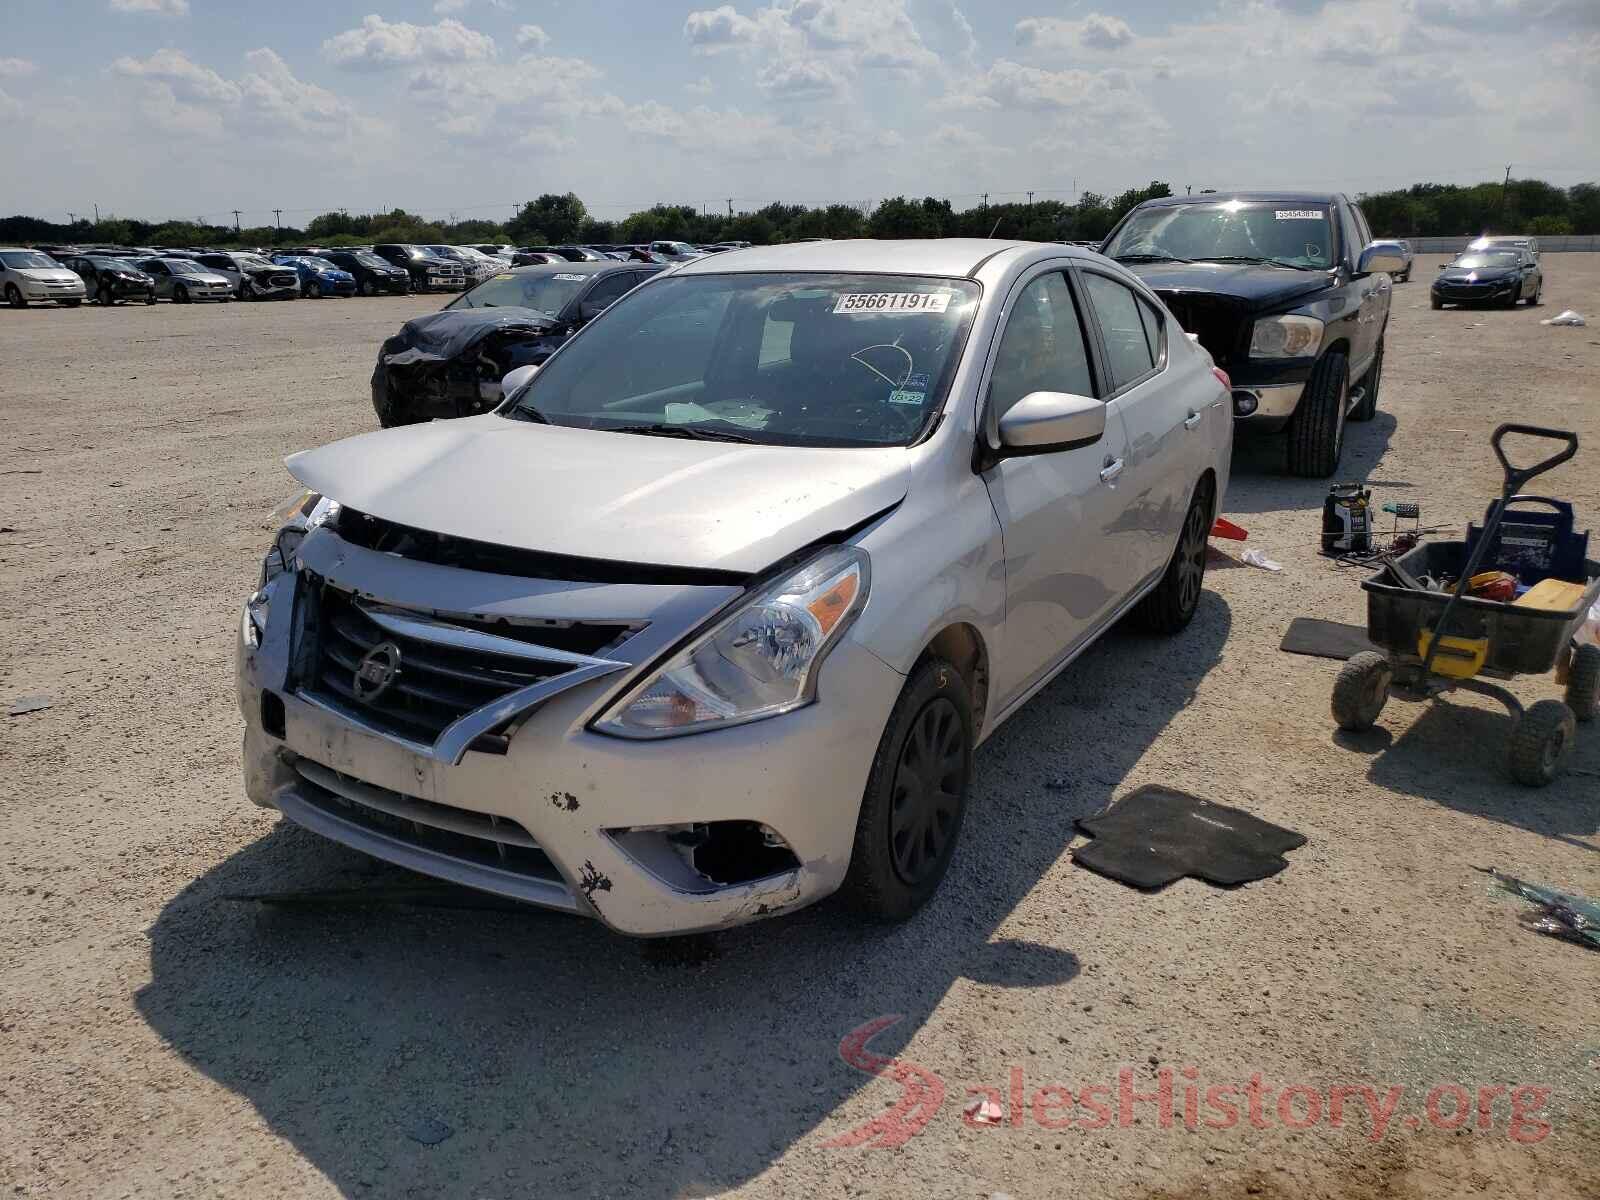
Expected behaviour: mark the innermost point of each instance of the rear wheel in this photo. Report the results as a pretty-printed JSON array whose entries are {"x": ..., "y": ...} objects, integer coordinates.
[
  {"x": 14, "y": 296},
  {"x": 916, "y": 796},
  {"x": 1361, "y": 690},
  {"x": 1541, "y": 742},
  {"x": 1171, "y": 605},
  {"x": 1368, "y": 408},
  {"x": 1583, "y": 683},
  {"x": 1316, "y": 431}
]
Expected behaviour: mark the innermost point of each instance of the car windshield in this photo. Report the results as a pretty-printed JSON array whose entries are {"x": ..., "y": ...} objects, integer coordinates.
[
  {"x": 28, "y": 260},
  {"x": 113, "y": 264},
  {"x": 1487, "y": 258},
  {"x": 548, "y": 292},
  {"x": 779, "y": 359},
  {"x": 367, "y": 259},
  {"x": 1281, "y": 233},
  {"x": 252, "y": 261},
  {"x": 182, "y": 266},
  {"x": 445, "y": 252}
]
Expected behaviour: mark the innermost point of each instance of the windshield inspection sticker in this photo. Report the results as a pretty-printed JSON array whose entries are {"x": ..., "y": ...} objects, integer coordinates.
[
  {"x": 1297, "y": 214},
  {"x": 913, "y": 390},
  {"x": 873, "y": 302},
  {"x": 571, "y": 278}
]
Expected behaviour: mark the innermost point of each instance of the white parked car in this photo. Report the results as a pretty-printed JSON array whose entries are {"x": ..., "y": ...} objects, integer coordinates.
[
  {"x": 28, "y": 275},
  {"x": 707, "y": 619}
]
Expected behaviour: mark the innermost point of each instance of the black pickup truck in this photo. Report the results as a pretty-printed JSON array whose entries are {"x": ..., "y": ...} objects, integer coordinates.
[{"x": 1289, "y": 295}]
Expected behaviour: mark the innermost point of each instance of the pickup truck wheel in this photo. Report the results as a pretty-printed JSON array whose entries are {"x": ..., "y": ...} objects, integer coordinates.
[
  {"x": 1368, "y": 408},
  {"x": 1316, "y": 431},
  {"x": 916, "y": 796},
  {"x": 1171, "y": 604}
]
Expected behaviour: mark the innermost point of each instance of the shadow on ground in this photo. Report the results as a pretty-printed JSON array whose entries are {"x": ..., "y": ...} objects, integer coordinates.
[
  {"x": 1260, "y": 459},
  {"x": 564, "y": 1062}
]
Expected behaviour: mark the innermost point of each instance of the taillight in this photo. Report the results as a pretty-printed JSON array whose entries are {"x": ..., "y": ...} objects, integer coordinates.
[{"x": 1222, "y": 378}]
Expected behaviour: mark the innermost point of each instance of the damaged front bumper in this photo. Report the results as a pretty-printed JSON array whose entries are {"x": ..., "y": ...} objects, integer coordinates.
[{"x": 651, "y": 837}]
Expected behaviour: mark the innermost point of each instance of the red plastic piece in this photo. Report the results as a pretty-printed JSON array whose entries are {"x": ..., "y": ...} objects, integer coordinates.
[{"x": 1225, "y": 528}]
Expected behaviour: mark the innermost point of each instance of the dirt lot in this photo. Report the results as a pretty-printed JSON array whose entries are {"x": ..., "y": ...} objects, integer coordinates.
[{"x": 161, "y": 1040}]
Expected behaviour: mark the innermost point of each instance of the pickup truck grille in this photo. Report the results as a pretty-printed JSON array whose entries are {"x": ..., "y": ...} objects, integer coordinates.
[
  {"x": 438, "y": 673},
  {"x": 1217, "y": 323}
]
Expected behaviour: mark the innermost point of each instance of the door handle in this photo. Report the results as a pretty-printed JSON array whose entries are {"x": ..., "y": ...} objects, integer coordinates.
[
  {"x": 1111, "y": 470},
  {"x": 1192, "y": 421}
]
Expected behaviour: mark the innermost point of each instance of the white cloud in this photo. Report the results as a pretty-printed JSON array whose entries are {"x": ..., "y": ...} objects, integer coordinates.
[
  {"x": 700, "y": 87},
  {"x": 532, "y": 35},
  {"x": 446, "y": 7},
  {"x": 716, "y": 29},
  {"x": 272, "y": 96},
  {"x": 186, "y": 80},
  {"x": 10, "y": 106},
  {"x": 164, "y": 8},
  {"x": 1094, "y": 32},
  {"x": 15, "y": 68},
  {"x": 799, "y": 80},
  {"x": 379, "y": 43}
]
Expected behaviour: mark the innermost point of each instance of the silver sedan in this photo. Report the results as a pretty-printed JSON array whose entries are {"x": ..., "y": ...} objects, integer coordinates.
[{"x": 182, "y": 280}]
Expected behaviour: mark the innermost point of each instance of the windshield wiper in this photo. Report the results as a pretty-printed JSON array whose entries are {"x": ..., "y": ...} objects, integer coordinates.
[
  {"x": 526, "y": 412},
  {"x": 1253, "y": 258},
  {"x": 696, "y": 432},
  {"x": 1151, "y": 258}
]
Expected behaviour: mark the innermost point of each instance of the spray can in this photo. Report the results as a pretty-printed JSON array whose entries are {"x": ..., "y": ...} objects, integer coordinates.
[{"x": 1347, "y": 520}]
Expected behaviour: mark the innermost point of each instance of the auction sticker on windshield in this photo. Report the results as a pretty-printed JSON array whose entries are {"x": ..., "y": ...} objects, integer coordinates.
[
  {"x": 1298, "y": 214},
  {"x": 571, "y": 278},
  {"x": 870, "y": 302}
]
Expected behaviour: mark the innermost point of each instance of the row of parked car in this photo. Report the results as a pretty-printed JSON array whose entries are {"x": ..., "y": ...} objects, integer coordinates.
[{"x": 69, "y": 275}]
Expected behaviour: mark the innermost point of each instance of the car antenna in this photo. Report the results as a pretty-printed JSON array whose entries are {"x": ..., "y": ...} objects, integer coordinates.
[{"x": 996, "y": 228}]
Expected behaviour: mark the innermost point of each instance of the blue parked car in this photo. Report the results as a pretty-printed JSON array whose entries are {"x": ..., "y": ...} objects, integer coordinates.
[{"x": 318, "y": 276}]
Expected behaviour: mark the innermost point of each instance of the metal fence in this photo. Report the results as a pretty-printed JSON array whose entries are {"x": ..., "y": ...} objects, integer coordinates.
[{"x": 1551, "y": 242}]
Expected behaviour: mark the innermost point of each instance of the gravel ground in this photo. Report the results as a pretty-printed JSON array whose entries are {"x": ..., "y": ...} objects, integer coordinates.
[{"x": 161, "y": 1040}]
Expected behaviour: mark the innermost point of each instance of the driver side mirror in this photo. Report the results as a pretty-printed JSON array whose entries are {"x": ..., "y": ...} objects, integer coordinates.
[
  {"x": 1044, "y": 422},
  {"x": 516, "y": 378},
  {"x": 1379, "y": 258}
]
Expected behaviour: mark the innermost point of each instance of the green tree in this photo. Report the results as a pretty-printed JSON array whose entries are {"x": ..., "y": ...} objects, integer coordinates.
[{"x": 557, "y": 219}]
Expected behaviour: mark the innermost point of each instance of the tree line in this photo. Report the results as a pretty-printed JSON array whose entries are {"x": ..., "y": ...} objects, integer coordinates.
[{"x": 1423, "y": 209}]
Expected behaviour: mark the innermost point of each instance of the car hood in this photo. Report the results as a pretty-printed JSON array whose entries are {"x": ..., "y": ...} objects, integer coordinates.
[
  {"x": 49, "y": 274},
  {"x": 1256, "y": 287},
  {"x": 1474, "y": 274},
  {"x": 590, "y": 494},
  {"x": 204, "y": 277},
  {"x": 453, "y": 331}
]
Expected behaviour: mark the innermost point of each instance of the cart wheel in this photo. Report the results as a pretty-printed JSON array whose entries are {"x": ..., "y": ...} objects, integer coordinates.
[
  {"x": 1540, "y": 743},
  {"x": 1361, "y": 691},
  {"x": 1583, "y": 683}
]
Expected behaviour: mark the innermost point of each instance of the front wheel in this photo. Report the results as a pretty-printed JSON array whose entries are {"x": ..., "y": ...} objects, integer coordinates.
[
  {"x": 149, "y": 297},
  {"x": 1533, "y": 300},
  {"x": 14, "y": 296},
  {"x": 180, "y": 294},
  {"x": 1361, "y": 690},
  {"x": 916, "y": 796},
  {"x": 1316, "y": 431},
  {"x": 1436, "y": 302},
  {"x": 104, "y": 297},
  {"x": 368, "y": 288},
  {"x": 1541, "y": 742},
  {"x": 70, "y": 303},
  {"x": 1583, "y": 683},
  {"x": 313, "y": 290},
  {"x": 1171, "y": 605}
]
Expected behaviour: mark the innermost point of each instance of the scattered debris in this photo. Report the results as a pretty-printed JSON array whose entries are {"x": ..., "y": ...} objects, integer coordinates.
[
  {"x": 593, "y": 881},
  {"x": 1325, "y": 639},
  {"x": 1567, "y": 317},
  {"x": 28, "y": 704},
  {"x": 1565, "y": 915},
  {"x": 1254, "y": 558},
  {"x": 1224, "y": 528},
  {"x": 984, "y": 1111},
  {"x": 430, "y": 1131}
]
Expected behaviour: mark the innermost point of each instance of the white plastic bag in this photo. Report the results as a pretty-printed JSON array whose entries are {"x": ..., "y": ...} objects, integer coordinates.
[
  {"x": 1257, "y": 559},
  {"x": 1566, "y": 317}
]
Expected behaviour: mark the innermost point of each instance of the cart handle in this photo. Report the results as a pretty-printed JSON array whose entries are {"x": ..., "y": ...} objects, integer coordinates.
[{"x": 1519, "y": 477}]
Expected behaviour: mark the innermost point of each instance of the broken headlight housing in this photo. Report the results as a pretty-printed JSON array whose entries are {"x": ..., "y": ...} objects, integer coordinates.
[
  {"x": 294, "y": 519},
  {"x": 1286, "y": 337},
  {"x": 757, "y": 662}
]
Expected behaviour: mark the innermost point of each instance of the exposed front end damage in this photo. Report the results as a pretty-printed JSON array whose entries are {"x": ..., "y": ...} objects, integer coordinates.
[
  {"x": 438, "y": 716},
  {"x": 1265, "y": 392},
  {"x": 276, "y": 283},
  {"x": 450, "y": 363}
]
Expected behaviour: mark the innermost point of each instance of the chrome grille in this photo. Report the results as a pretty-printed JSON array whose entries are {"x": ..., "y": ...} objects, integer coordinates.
[
  {"x": 446, "y": 671},
  {"x": 457, "y": 833}
]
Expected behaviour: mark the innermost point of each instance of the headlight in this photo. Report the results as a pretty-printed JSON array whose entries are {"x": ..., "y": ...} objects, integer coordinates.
[
  {"x": 1286, "y": 337},
  {"x": 253, "y": 624},
  {"x": 294, "y": 518},
  {"x": 759, "y": 662}
]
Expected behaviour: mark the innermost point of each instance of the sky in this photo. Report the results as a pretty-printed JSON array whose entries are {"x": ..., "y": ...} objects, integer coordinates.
[{"x": 192, "y": 108}]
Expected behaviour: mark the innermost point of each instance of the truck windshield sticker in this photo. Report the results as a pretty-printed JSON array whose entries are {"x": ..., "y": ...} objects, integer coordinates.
[
  {"x": 1298, "y": 214},
  {"x": 571, "y": 278},
  {"x": 895, "y": 302}
]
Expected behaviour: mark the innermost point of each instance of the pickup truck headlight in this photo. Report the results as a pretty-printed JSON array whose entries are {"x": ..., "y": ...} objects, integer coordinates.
[
  {"x": 758, "y": 662},
  {"x": 1286, "y": 337}
]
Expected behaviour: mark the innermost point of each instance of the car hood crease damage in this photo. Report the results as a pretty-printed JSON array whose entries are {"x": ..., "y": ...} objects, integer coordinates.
[{"x": 578, "y": 492}]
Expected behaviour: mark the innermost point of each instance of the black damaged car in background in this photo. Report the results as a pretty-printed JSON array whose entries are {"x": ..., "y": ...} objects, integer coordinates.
[
  {"x": 1289, "y": 295},
  {"x": 373, "y": 274},
  {"x": 450, "y": 363},
  {"x": 107, "y": 280}
]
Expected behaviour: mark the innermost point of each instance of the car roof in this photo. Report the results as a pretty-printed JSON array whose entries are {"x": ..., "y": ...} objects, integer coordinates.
[
  {"x": 604, "y": 267},
  {"x": 959, "y": 257},
  {"x": 1219, "y": 197}
]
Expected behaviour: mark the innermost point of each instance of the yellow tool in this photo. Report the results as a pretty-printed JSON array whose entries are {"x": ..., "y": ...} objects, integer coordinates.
[{"x": 1457, "y": 657}]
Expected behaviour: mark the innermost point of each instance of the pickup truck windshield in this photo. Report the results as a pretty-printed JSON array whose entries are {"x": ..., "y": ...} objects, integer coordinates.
[
  {"x": 1281, "y": 233},
  {"x": 778, "y": 359}
]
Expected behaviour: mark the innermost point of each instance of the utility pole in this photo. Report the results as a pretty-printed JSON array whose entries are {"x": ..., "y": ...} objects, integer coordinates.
[
  {"x": 1188, "y": 189},
  {"x": 986, "y": 199},
  {"x": 97, "y": 214},
  {"x": 277, "y": 215},
  {"x": 1030, "y": 199},
  {"x": 236, "y": 228},
  {"x": 1504, "y": 188},
  {"x": 72, "y": 218},
  {"x": 730, "y": 206}
]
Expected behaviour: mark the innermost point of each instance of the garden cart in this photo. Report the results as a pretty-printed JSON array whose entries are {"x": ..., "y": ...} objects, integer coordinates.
[{"x": 1435, "y": 640}]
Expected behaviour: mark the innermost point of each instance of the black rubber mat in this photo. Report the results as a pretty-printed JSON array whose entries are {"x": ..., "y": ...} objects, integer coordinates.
[
  {"x": 1325, "y": 639},
  {"x": 1156, "y": 835}
]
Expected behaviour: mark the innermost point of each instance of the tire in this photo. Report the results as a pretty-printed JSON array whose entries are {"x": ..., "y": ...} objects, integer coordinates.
[
  {"x": 1541, "y": 742},
  {"x": 1533, "y": 300},
  {"x": 1583, "y": 683},
  {"x": 313, "y": 290},
  {"x": 103, "y": 297},
  {"x": 180, "y": 294},
  {"x": 240, "y": 292},
  {"x": 1171, "y": 604},
  {"x": 1368, "y": 408},
  {"x": 69, "y": 303},
  {"x": 1437, "y": 303},
  {"x": 903, "y": 850},
  {"x": 368, "y": 288},
  {"x": 1361, "y": 690},
  {"x": 1316, "y": 431},
  {"x": 14, "y": 296},
  {"x": 150, "y": 298}
]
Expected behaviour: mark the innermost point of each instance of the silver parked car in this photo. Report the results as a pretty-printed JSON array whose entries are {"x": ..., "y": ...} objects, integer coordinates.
[
  {"x": 252, "y": 277},
  {"x": 1401, "y": 249},
  {"x": 706, "y": 620},
  {"x": 182, "y": 280},
  {"x": 27, "y": 275}
]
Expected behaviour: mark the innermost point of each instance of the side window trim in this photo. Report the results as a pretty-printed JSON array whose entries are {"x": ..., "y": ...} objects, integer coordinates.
[{"x": 1104, "y": 356}]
